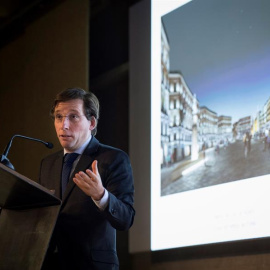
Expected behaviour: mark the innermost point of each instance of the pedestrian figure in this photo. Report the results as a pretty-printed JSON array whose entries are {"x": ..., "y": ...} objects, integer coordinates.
[
  {"x": 265, "y": 140},
  {"x": 247, "y": 143},
  {"x": 217, "y": 149},
  {"x": 268, "y": 141},
  {"x": 203, "y": 149}
]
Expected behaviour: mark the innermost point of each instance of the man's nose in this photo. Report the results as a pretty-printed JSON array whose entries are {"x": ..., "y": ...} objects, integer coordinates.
[{"x": 65, "y": 122}]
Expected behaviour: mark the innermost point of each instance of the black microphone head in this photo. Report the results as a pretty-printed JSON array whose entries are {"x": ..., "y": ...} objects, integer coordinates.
[{"x": 49, "y": 145}]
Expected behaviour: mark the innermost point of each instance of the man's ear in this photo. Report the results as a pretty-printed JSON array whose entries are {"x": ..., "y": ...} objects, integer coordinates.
[{"x": 93, "y": 123}]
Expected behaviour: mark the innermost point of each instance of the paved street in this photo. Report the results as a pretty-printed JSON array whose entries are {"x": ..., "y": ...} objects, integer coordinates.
[{"x": 230, "y": 164}]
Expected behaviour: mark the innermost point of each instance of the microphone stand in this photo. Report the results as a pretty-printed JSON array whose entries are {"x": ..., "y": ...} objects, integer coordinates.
[{"x": 3, "y": 158}]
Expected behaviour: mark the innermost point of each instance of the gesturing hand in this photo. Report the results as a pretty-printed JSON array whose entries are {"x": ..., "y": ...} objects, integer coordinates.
[{"x": 90, "y": 182}]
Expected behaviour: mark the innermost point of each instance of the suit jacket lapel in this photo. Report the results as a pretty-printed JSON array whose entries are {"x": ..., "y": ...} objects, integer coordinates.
[
  {"x": 84, "y": 163},
  {"x": 56, "y": 175}
]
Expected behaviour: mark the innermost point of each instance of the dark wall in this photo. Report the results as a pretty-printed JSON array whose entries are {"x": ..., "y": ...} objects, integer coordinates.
[
  {"x": 35, "y": 65},
  {"x": 109, "y": 81},
  {"x": 109, "y": 70}
]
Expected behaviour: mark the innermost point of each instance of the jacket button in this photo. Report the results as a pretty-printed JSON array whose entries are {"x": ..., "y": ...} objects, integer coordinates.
[{"x": 113, "y": 211}]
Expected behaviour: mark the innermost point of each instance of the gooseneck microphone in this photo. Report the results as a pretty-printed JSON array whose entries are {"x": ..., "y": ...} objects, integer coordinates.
[{"x": 4, "y": 160}]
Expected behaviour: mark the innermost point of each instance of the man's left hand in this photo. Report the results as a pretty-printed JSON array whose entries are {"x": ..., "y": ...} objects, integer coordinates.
[{"x": 90, "y": 182}]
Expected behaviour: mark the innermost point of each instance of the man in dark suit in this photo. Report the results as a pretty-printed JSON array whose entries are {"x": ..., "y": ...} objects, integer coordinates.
[{"x": 98, "y": 198}]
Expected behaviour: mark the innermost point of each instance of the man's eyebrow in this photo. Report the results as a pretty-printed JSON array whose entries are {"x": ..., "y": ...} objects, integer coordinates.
[{"x": 70, "y": 111}]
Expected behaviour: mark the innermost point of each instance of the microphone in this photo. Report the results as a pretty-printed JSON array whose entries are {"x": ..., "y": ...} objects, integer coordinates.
[{"x": 4, "y": 160}]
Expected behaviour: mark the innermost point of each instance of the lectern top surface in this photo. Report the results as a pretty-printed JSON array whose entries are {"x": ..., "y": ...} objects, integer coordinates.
[{"x": 19, "y": 192}]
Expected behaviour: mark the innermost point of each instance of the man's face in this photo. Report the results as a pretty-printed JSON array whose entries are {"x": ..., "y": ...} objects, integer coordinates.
[{"x": 71, "y": 125}]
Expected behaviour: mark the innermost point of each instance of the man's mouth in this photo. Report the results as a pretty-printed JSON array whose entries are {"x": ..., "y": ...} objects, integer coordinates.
[{"x": 65, "y": 136}]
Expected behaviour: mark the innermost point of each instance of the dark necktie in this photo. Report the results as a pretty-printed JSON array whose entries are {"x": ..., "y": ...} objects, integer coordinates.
[{"x": 67, "y": 166}]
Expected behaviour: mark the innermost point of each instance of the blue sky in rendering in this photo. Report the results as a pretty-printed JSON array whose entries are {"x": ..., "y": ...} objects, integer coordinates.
[{"x": 222, "y": 48}]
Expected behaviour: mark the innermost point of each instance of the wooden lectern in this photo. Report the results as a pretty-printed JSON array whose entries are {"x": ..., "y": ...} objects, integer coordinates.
[{"x": 27, "y": 219}]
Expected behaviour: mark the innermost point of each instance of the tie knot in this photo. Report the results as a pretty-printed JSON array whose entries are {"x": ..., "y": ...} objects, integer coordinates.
[{"x": 69, "y": 158}]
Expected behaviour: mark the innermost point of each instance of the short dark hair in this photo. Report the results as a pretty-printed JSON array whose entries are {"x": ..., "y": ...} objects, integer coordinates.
[{"x": 90, "y": 103}]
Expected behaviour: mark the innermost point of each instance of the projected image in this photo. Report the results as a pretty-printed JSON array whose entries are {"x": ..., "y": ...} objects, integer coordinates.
[{"x": 215, "y": 98}]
